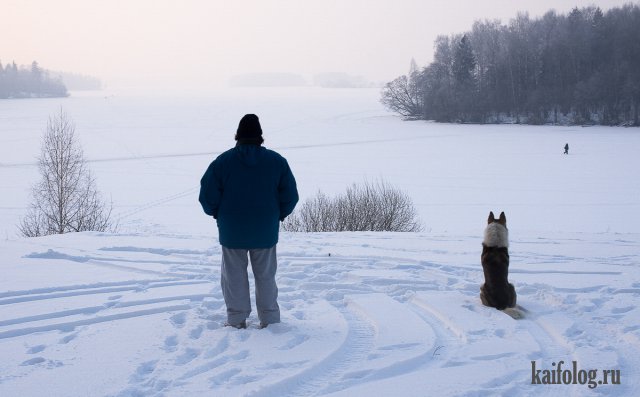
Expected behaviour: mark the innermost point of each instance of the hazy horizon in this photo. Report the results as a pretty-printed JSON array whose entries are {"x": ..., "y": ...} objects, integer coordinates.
[{"x": 201, "y": 44}]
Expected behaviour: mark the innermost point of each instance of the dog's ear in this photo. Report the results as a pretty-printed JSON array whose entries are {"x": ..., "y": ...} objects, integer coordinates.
[
  {"x": 503, "y": 219},
  {"x": 492, "y": 218}
]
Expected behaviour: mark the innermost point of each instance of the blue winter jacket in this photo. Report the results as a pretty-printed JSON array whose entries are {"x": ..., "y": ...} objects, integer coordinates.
[{"x": 248, "y": 189}]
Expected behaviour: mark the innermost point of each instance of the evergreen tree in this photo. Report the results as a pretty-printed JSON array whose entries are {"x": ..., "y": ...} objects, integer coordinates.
[
  {"x": 463, "y": 68},
  {"x": 464, "y": 63}
]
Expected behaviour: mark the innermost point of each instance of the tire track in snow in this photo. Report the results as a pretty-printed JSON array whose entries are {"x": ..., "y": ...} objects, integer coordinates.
[
  {"x": 75, "y": 287},
  {"x": 55, "y": 320},
  {"x": 314, "y": 380},
  {"x": 552, "y": 344},
  {"x": 352, "y": 363},
  {"x": 95, "y": 311},
  {"x": 443, "y": 324},
  {"x": 446, "y": 338},
  {"x": 89, "y": 310},
  {"x": 70, "y": 325},
  {"x": 65, "y": 292}
]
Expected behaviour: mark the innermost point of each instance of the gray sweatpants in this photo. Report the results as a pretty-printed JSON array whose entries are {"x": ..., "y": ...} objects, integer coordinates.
[{"x": 234, "y": 280}]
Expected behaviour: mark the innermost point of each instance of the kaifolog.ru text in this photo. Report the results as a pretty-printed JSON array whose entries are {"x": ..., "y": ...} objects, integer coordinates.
[{"x": 573, "y": 376}]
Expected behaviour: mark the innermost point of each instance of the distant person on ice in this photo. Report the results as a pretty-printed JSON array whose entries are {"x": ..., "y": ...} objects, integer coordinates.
[
  {"x": 566, "y": 148},
  {"x": 249, "y": 190}
]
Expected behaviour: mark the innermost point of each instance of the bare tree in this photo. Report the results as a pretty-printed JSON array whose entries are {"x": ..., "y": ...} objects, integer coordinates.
[
  {"x": 65, "y": 200},
  {"x": 367, "y": 207},
  {"x": 403, "y": 95}
]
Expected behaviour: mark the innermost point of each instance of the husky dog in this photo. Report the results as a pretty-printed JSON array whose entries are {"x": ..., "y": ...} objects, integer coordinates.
[{"x": 496, "y": 291}]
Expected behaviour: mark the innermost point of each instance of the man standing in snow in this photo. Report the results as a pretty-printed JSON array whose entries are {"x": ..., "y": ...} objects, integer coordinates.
[{"x": 249, "y": 190}]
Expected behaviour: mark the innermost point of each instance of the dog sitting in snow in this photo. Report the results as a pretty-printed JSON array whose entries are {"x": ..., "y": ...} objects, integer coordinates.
[{"x": 496, "y": 291}]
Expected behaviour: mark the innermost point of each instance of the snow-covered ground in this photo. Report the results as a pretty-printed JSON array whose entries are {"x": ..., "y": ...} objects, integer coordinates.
[{"x": 140, "y": 313}]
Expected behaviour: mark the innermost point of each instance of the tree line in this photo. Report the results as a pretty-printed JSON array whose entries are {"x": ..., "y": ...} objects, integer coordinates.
[
  {"x": 580, "y": 68},
  {"x": 25, "y": 82}
]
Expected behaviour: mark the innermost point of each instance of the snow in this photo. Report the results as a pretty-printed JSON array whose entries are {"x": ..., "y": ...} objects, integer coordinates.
[{"x": 139, "y": 312}]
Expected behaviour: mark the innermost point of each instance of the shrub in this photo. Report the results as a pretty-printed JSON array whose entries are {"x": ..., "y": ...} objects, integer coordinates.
[{"x": 367, "y": 207}]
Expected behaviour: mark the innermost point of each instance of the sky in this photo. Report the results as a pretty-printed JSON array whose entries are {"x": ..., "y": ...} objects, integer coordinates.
[{"x": 202, "y": 43}]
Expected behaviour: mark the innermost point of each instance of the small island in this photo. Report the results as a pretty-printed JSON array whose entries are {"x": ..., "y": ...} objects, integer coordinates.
[
  {"x": 29, "y": 82},
  {"x": 581, "y": 68}
]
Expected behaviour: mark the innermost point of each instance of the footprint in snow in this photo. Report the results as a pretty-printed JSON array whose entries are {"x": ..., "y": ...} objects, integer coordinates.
[
  {"x": 178, "y": 320},
  {"x": 224, "y": 377},
  {"x": 33, "y": 361},
  {"x": 187, "y": 356},
  {"x": 36, "y": 349},
  {"x": 241, "y": 335},
  {"x": 573, "y": 332},
  {"x": 295, "y": 341},
  {"x": 196, "y": 332},
  {"x": 144, "y": 370},
  {"x": 470, "y": 307},
  {"x": 212, "y": 304},
  {"x": 41, "y": 360},
  {"x": 170, "y": 343},
  {"x": 68, "y": 338}
]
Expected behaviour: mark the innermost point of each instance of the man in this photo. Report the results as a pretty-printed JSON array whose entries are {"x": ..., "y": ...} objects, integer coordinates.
[{"x": 249, "y": 190}]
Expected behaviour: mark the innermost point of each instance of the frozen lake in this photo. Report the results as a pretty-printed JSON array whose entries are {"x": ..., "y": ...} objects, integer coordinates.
[{"x": 148, "y": 153}]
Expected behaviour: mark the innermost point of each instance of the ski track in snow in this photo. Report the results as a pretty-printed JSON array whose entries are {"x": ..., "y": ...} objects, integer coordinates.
[{"x": 357, "y": 315}]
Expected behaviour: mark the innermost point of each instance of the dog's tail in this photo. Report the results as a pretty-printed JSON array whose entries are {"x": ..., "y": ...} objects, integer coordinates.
[{"x": 517, "y": 312}]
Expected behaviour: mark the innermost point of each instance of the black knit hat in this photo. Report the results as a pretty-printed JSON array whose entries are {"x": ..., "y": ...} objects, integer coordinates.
[{"x": 249, "y": 129}]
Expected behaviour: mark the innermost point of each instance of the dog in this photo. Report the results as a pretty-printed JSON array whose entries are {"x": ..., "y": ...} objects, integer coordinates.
[{"x": 496, "y": 291}]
